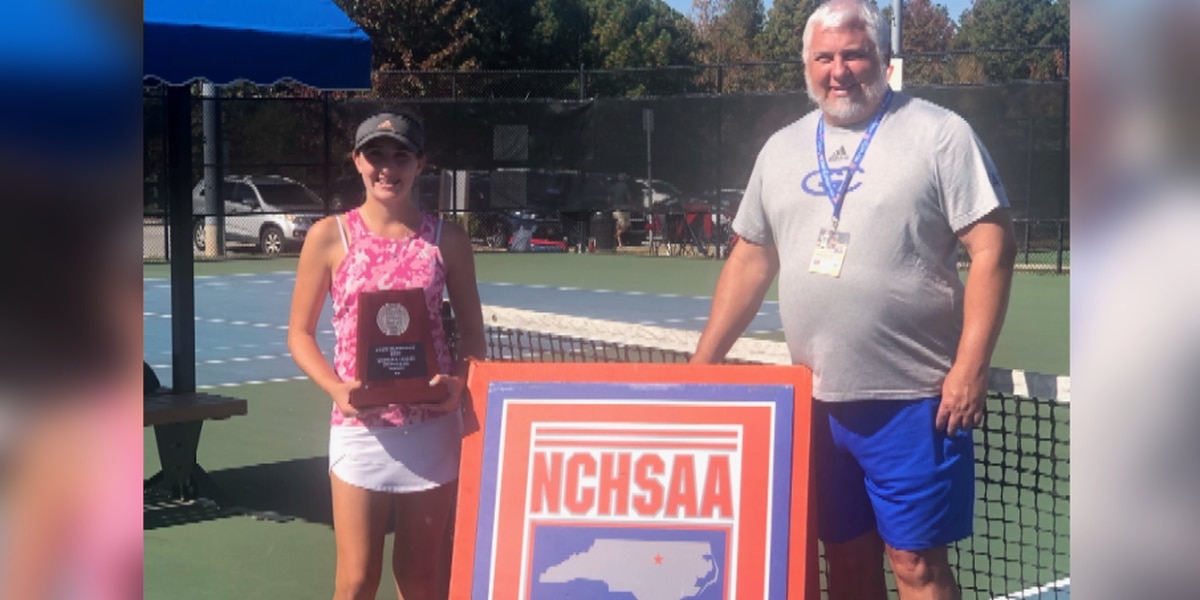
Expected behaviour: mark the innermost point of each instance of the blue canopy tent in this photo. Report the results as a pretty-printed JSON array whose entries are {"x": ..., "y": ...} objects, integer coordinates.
[
  {"x": 59, "y": 70},
  {"x": 224, "y": 41}
]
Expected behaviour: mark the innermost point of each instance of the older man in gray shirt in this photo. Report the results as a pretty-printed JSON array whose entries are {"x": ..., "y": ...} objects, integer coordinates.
[{"x": 859, "y": 208}]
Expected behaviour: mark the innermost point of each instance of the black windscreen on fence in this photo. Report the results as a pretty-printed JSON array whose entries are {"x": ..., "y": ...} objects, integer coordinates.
[
  {"x": 700, "y": 142},
  {"x": 547, "y": 152}
]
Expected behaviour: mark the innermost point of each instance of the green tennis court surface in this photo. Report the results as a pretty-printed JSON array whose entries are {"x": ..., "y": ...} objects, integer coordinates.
[{"x": 279, "y": 543}]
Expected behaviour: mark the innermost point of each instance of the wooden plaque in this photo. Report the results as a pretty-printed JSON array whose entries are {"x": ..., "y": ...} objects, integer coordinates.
[{"x": 396, "y": 355}]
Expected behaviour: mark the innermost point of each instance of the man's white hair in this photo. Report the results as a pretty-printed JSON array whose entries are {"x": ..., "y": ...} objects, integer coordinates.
[{"x": 851, "y": 13}]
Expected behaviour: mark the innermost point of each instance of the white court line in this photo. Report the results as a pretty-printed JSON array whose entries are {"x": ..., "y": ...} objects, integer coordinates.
[
  {"x": 601, "y": 291},
  {"x": 215, "y": 349},
  {"x": 1037, "y": 591},
  {"x": 219, "y": 321},
  {"x": 253, "y": 382},
  {"x": 232, "y": 359}
]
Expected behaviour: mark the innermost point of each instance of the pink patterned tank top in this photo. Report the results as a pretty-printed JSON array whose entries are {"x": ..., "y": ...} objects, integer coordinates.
[{"x": 377, "y": 263}]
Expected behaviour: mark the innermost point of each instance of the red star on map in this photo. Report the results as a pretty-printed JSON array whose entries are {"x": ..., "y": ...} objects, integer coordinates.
[{"x": 658, "y": 559}]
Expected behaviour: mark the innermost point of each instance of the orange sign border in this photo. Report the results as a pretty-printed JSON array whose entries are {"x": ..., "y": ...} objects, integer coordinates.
[{"x": 802, "y": 580}]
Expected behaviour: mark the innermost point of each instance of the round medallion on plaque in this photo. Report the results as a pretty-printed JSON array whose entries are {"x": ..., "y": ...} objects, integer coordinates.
[{"x": 392, "y": 319}]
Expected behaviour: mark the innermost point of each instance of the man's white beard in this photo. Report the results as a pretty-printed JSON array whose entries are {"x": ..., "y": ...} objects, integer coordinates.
[{"x": 849, "y": 110}]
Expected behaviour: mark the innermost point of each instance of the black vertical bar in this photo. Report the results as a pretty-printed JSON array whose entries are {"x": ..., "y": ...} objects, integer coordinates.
[
  {"x": 214, "y": 206},
  {"x": 328, "y": 153},
  {"x": 720, "y": 145},
  {"x": 1065, "y": 194},
  {"x": 1059, "y": 267},
  {"x": 164, "y": 187},
  {"x": 464, "y": 220},
  {"x": 1029, "y": 144},
  {"x": 1025, "y": 239},
  {"x": 179, "y": 195}
]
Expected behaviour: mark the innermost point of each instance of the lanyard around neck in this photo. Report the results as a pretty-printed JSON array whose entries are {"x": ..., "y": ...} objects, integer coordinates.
[{"x": 838, "y": 197}]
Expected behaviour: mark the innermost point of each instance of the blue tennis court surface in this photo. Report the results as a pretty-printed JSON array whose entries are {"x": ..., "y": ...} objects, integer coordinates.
[
  {"x": 241, "y": 320},
  {"x": 241, "y": 329}
]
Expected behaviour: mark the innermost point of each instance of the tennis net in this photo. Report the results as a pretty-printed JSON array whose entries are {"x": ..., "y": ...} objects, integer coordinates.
[{"x": 1020, "y": 548}]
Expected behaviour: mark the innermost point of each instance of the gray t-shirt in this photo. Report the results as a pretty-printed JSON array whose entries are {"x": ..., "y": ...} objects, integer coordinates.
[{"x": 888, "y": 327}]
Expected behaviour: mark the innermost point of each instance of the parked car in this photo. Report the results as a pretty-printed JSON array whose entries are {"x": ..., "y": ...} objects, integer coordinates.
[
  {"x": 659, "y": 191},
  {"x": 272, "y": 212}
]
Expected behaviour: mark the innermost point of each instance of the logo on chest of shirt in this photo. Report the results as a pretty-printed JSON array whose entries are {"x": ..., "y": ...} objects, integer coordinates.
[{"x": 814, "y": 185}]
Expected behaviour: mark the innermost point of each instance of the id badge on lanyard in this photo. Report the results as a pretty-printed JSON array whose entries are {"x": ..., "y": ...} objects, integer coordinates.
[{"x": 832, "y": 244}]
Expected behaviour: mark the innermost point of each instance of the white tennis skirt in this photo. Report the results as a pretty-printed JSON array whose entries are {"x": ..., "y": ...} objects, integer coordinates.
[{"x": 408, "y": 458}]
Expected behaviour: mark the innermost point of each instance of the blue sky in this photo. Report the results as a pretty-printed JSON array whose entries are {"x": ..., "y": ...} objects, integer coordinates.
[{"x": 954, "y": 7}]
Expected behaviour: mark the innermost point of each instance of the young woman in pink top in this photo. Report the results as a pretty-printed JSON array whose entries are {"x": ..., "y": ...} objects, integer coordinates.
[{"x": 398, "y": 461}]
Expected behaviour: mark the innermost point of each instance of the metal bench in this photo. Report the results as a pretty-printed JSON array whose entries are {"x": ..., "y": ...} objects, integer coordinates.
[{"x": 177, "y": 419}]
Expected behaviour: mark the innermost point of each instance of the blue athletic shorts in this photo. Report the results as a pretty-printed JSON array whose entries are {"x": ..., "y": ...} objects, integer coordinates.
[{"x": 882, "y": 465}]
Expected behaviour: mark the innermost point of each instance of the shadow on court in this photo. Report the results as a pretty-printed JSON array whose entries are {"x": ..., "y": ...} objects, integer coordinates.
[{"x": 275, "y": 492}]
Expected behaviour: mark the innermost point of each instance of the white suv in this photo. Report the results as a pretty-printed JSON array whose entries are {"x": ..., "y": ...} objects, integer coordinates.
[{"x": 272, "y": 212}]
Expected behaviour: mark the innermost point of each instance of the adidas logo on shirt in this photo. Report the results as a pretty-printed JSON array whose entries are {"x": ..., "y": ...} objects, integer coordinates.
[{"x": 839, "y": 154}]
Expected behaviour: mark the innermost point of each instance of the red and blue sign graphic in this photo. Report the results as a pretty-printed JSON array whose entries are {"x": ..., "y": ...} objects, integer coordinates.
[{"x": 645, "y": 491}]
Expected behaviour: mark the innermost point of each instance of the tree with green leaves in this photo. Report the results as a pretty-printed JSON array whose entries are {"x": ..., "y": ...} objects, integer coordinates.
[
  {"x": 543, "y": 34},
  {"x": 567, "y": 34},
  {"x": 416, "y": 34},
  {"x": 991, "y": 24},
  {"x": 629, "y": 34},
  {"x": 640, "y": 33},
  {"x": 926, "y": 28},
  {"x": 729, "y": 31},
  {"x": 784, "y": 29},
  {"x": 781, "y": 39}
]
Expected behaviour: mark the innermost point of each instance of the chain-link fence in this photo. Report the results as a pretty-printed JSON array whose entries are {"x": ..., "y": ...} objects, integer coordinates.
[
  {"x": 1043, "y": 246},
  {"x": 560, "y": 160}
]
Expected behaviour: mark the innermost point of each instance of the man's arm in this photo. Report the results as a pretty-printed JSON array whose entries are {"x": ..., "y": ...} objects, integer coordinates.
[
  {"x": 743, "y": 283},
  {"x": 992, "y": 246}
]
